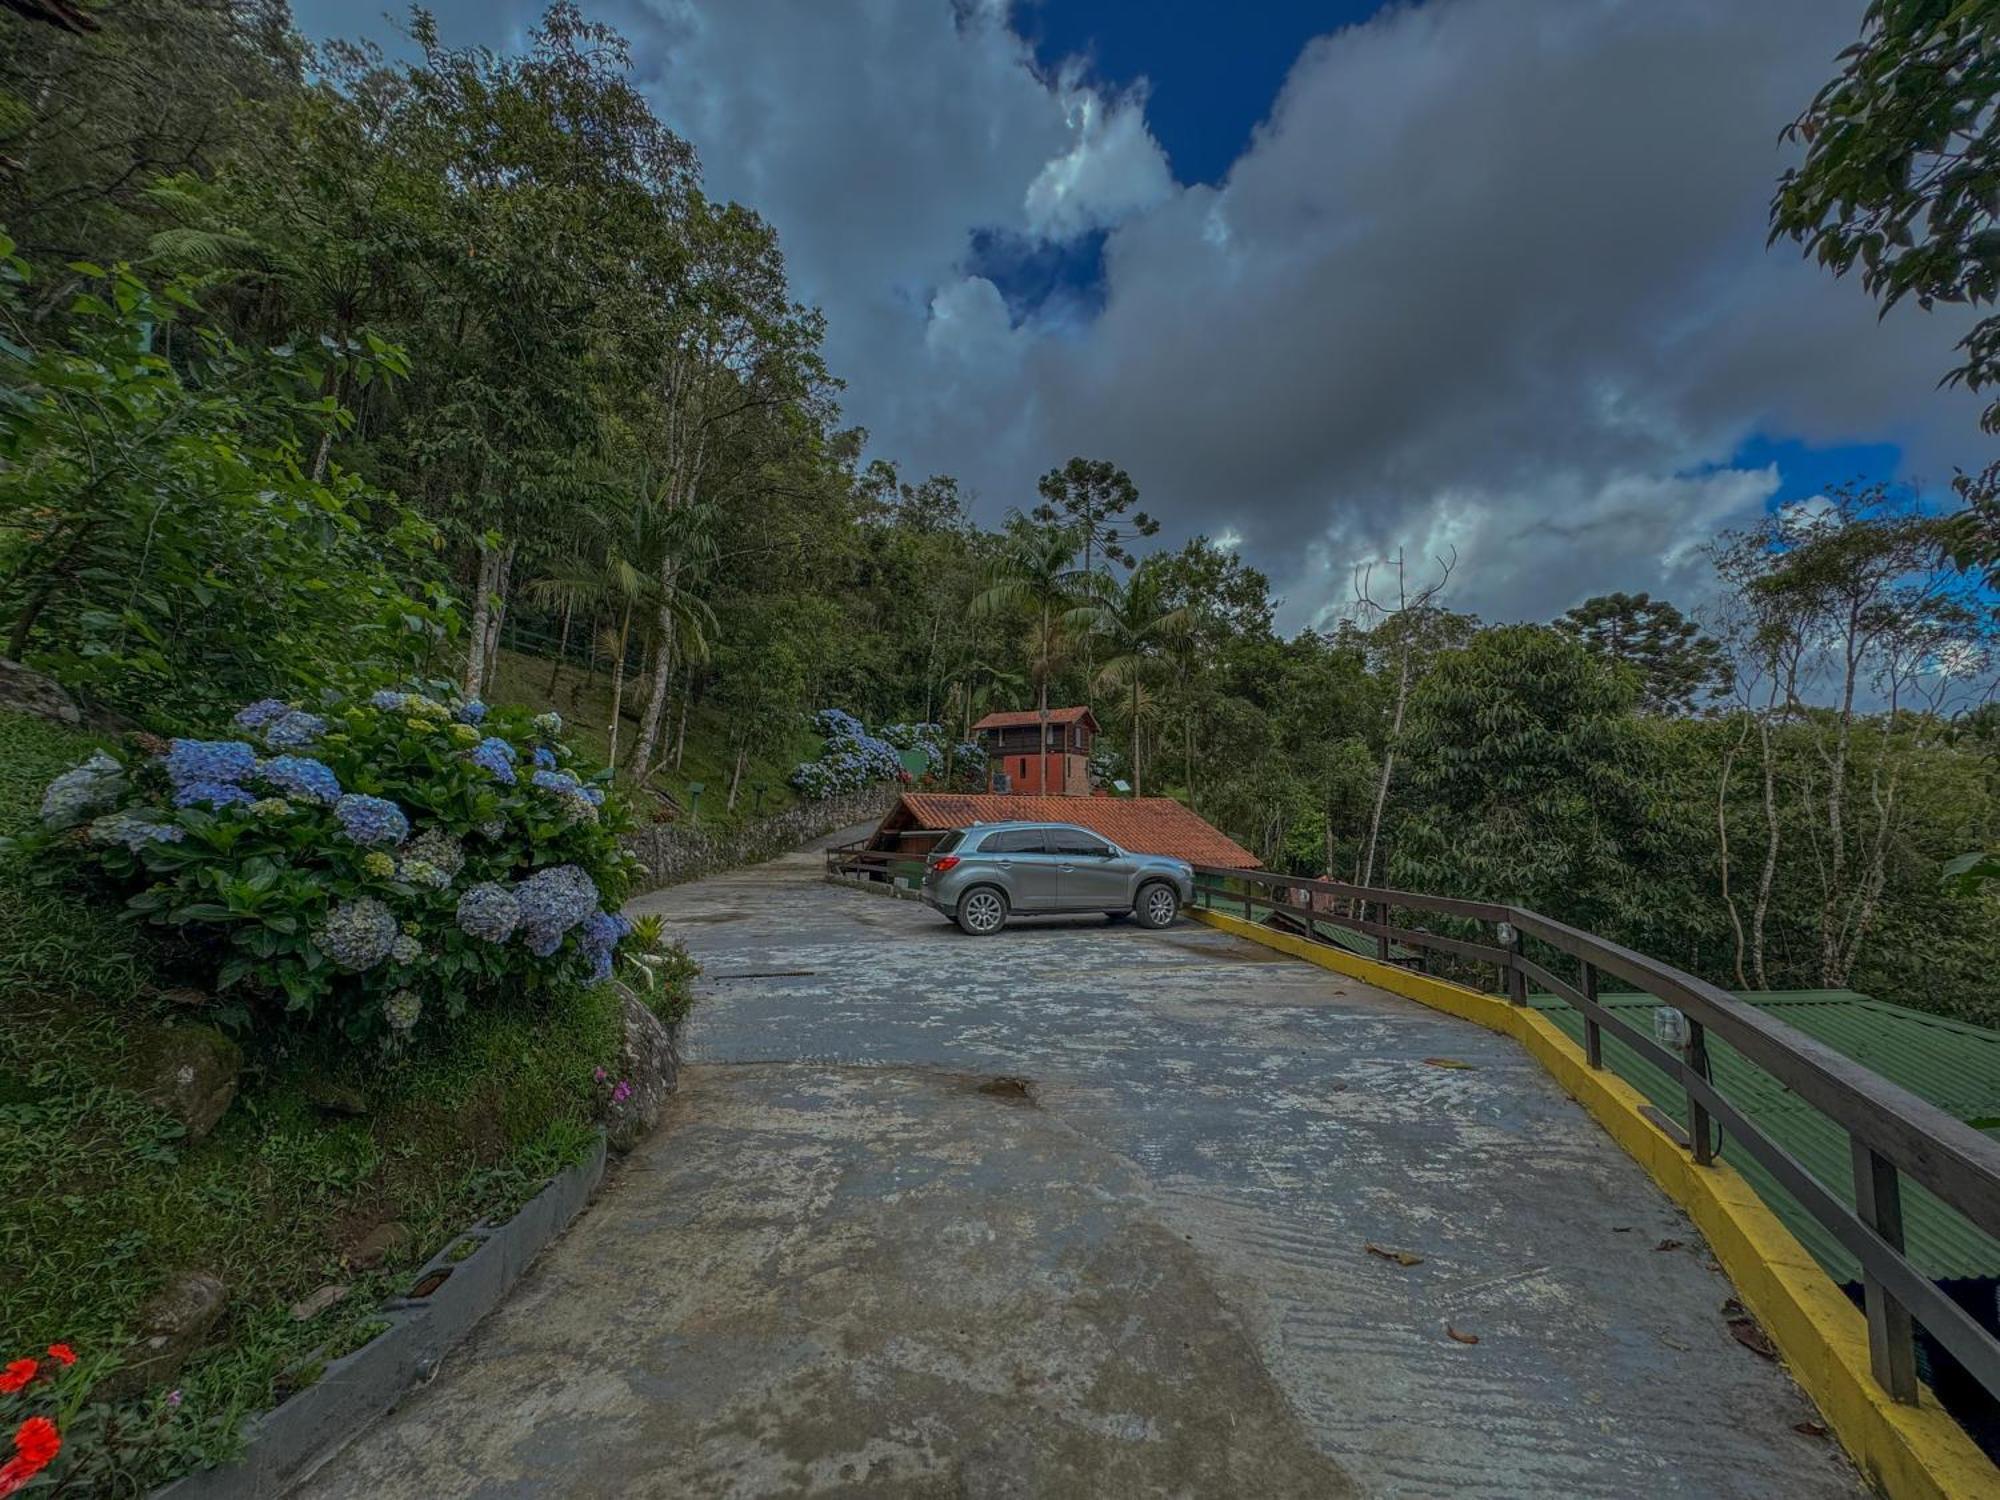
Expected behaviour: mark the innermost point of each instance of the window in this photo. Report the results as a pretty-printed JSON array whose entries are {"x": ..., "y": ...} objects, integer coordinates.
[
  {"x": 1024, "y": 766},
  {"x": 1075, "y": 841},
  {"x": 949, "y": 842},
  {"x": 1013, "y": 841}
]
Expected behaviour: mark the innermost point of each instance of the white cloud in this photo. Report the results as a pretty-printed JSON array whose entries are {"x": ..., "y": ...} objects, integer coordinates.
[{"x": 1113, "y": 169}]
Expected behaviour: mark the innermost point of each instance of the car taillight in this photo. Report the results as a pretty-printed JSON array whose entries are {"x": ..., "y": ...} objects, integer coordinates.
[{"x": 948, "y": 862}]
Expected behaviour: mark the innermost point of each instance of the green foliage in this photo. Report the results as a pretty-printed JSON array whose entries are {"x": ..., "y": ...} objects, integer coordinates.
[
  {"x": 1677, "y": 666},
  {"x": 355, "y": 913},
  {"x": 1519, "y": 777},
  {"x": 170, "y": 552},
  {"x": 1086, "y": 497}
]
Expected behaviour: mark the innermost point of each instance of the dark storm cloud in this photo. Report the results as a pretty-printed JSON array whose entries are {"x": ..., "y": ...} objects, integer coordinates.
[{"x": 1491, "y": 277}]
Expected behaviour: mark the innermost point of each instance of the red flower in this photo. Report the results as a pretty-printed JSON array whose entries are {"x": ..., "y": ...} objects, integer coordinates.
[
  {"x": 62, "y": 1354},
  {"x": 36, "y": 1443},
  {"x": 16, "y": 1375}
]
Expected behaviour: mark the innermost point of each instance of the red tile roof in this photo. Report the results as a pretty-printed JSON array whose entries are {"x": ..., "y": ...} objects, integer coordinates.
[
  {"x": 1145, "y": 825},
  {"x": 1029, "y": 718}
]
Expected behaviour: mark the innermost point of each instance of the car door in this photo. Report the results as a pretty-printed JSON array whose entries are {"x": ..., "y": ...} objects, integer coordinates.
[
  {"x": 1091, "y": 873},
  {"x": 1025, "y": 867}
]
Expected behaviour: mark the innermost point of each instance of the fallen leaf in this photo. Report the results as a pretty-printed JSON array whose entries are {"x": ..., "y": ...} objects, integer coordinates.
[
  {"x": 1668, "y": 1245},
  {"x": 1400, "y": 1257},
  {"x": 1751, "y": 1337},
  {"x": 1448, "y": 1062},
  {"x": 1463, "y": 1338},
  {"x": 1810, "y": 1429},
  {"x": 1731, "y": 1308}
]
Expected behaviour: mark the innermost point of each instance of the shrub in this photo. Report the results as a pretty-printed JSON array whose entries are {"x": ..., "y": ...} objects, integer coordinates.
[
  {"x": 387, "y": 865},
  {"x": 851, "y": 759}
]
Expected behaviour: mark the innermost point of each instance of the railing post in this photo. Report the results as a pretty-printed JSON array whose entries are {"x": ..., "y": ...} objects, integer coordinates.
[
  {"x": 1698, "y": 1123},
  {"x": 1593, "y": 1034},
  {"x": 1517, "y": 978},
  {"x": 1892, "y": 1350},
  {"x": 1381, "y": 932}
]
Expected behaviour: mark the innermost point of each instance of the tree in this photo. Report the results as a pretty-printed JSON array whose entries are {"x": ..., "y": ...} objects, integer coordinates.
[
  {"x": 1902, "y": 151},
  {"x": 1035, "y": 574},
  {"x": 1408, "y": 632},
  {"x": 1135, "y": 624},
  {"x": 1087, "y": 496},
  {"x": 1857, "y": 595},
  {"x": 1676, "y": 664}
]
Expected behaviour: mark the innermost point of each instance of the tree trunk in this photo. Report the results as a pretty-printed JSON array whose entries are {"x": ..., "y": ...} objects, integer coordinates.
[
  {"x": 681, "y": 730},
  {"x": 1769, "y": 874},
  {"x": 656, "y": 704},
  {"x": 562, "y": 649},
  {"x": 502, "y": 585},
  {"x": 1722, "y": 844},
  {"x": 482, "y": 612},
  {"x": 618, "y": 684},
  {"x": 1137, "y": 786},
  {"x": 736, "y": 776},
  {"x": 1042, "y": 699},
  {"x": 1388, "y": 769}
]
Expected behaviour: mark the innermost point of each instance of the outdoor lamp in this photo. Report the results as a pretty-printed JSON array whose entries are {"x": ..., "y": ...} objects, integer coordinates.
[
  {"x": 1670, "y": 1028},
  {"x": 1505, "y": 932}
]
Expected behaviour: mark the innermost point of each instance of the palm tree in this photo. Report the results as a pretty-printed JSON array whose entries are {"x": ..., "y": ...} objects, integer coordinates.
[
  {"x": 1136, "y": 625},
  {"x": 1035, "y": 572},
  {"x": 619, "y": 573}
]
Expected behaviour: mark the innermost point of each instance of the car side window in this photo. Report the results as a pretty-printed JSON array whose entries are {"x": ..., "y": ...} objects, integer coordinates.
[
  {"x": 1067, "y": 841},
  {"x": 1013, "y": 841}
]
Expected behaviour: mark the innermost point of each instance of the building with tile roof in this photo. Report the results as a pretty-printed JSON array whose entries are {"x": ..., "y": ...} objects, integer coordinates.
[{"x": 1145, "y": 825}]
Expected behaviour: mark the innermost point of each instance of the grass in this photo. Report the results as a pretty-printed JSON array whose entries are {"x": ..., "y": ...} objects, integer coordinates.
[
  {"x": 584, "y": 701},
  {"x": 103, "y": 1199}
]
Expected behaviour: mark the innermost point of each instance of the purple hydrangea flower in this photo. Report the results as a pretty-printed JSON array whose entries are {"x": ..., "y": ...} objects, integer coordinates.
[
  {"x": 230, "y": 761},
  {"x": 496, "y": 757},
  {"x": 263, "y": 711},
  {"x": 386, "y": 700},
  {"x": 134, "y": 832},
  {"x": 213, "y": 793},
  {"x": 371, "y": 820},
  {"x": 358, "y": 934},
  {"x": 545, "y": 757},
  {"x": 562, "y": 782},
  {"x": 489, "y": 912},
  {"x": 552, "y": 902},
  {"x": 472, "y": 711},
  {"x": 294, "y": 730},
  {"x": 599, "y": 938},
  {"x": 302, "y": 776}
]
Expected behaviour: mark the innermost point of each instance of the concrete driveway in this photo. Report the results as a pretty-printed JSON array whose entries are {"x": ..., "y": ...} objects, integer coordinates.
[{"x": 1086, "y": 1210}]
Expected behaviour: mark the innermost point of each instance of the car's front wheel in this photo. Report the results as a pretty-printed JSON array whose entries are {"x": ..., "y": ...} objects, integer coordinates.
[
  {"x": 982, "y": 910},
  {"x": 1157, "y": 906}
]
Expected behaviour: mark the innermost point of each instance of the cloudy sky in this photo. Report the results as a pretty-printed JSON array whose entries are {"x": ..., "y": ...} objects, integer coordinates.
[{"x": 1479, "y": 276}]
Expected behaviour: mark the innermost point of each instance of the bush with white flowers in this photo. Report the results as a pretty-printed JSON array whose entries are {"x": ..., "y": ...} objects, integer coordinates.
[{"x": 371, "y": 865}]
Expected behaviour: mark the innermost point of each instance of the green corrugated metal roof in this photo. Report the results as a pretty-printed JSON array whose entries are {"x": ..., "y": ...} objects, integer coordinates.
[{"x": 1953, "y": 1065}]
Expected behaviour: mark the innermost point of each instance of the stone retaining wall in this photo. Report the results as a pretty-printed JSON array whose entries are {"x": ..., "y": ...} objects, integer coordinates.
[{"x": 677, "y": 852}]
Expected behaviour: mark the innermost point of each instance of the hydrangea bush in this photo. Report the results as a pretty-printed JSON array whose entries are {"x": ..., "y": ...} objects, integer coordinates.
[
  {"x": 852, "y": 758},
  {"x": 372, "y": 864}
]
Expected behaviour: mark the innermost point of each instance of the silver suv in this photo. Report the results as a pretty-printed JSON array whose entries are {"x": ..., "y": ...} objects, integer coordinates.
[{"x": 980, "y": 876}]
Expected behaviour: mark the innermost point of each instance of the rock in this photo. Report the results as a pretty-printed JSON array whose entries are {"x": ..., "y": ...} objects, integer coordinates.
[
  {"x": 383, "y": 1243},
  {"x": 309, "y": 1307},
  {"x": 26, "y": 692},
  {"x": 171, "y": 1327},
  {"x": 187, "y": 997},
  {"x": 190, "y": 1072},
  {"x": 331, "y": 1098},
  {"x": 650, "y": 1064}
]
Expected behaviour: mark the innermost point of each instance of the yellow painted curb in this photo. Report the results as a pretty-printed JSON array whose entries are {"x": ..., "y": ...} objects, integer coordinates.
[{"x": 1908, "y": 1452}]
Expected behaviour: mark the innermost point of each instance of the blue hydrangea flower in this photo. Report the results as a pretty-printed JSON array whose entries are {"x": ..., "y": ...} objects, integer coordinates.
[
  {"x": 294, "y": 730},
  {"x": 82, "y": 790},
  {"x": 190, "y": 761},
  {"x": 406, "y": 949},
  {"x": 489, "y": 912},
  {"x": 562, "y": 782},
  {"x": 371, "y": 820},
  {"x": 302, "y": 776},
  {"x": 358, "y": 934},
  {"x": 594, "y": 795},
  {"x": 134, "y": 832},
  {"x": 548, "y": 725},
  {"x": 263, "y": 711},
  {"x": 472, "y": 711},
  {"x": 553, "y": 901},
  {"x": 599, "y": 938},
  {"x": 213, "y": 793},
  {"x": 386, "y": 700},
  {"x": 545, "y": 757},
  {"x": 496, "y": 757}
]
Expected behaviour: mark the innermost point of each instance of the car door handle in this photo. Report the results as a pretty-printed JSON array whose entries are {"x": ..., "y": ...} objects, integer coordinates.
[
  {"x": 1066, "y": 869},
  {"x": 1006, "y": 864}
]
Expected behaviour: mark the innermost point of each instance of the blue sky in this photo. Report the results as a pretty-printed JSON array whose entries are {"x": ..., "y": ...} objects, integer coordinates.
[{"x": 1472, "y": 278}]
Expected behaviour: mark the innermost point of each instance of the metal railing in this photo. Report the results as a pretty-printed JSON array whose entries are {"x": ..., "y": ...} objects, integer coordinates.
[{"x": 1892, "y": 1131}]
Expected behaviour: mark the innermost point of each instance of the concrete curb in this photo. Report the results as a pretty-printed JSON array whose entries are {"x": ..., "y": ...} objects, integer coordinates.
[
  {"x": 874, "y": 887},
  {"x": 287, "y": 1443},
  {"x": 1908, "y": 1452}
]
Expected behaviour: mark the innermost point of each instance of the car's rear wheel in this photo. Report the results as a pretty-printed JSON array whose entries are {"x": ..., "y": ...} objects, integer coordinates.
[
  {"x": 982, "y": 910},
  {"x": 1157, "y": 906}
]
